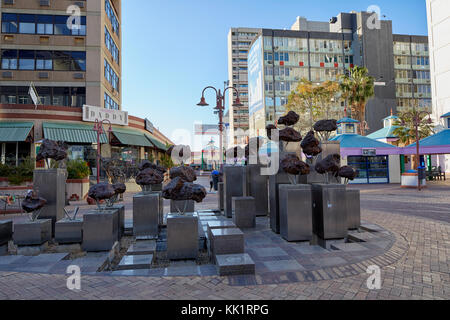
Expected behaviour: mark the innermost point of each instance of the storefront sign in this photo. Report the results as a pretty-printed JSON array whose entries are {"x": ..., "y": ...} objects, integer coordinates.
[
  {"x": 369, "y": 152},
  {"x": 149, "y": 126},
  {"x": 91, "y": 113}
]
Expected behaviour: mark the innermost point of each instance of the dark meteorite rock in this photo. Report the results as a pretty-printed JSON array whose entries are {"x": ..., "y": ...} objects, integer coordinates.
[
  {"x": 148, "y": 165},
  {"x": 178, "y": 189},
  {"x": 290, "y": 135},
  {"x": 32, "y": 203},
  {"x": 101, "y": 191},
  {"x": 310, "y": 145},
  {"x": 326, "y": 125},
  {"x": 329, "y": 164},
  {"x": 293, "y": 165},
  {"x": 235, "y": 152},
  {"x": 290, "y": 119},
  {"x": 348, "y": 172},
  {"x": 119, "y": 188},
  {"x": 253, "y": 142},
  {"x": 186, "y": 173},
  {"x": 52, "y": 150},
  {"x": 149, "y": 176},
  {"x": 269, "y": 129}
]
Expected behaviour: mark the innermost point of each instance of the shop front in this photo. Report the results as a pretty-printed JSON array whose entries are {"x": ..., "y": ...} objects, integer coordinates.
[{"x": 15, "y": 142}]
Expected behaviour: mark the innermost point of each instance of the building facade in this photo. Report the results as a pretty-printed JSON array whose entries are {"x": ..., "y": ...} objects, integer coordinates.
[
  {"x": 278, "y": 59},
  {"x": 70, "y": 51},
  {"x": 438, "y": 12}
]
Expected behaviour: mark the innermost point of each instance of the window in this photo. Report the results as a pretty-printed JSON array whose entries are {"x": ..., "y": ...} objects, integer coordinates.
[
  {"x": 9, "y": 59},
  {"x": 9, "y": 23},
  {"x": 27, "y": 23},
  {"x": 45, "y": 95},
  {"x": 8, "y": 95},
  {"x": 61, "y": 26},
  {"x": 111, "y": 76},
  {"x": 44, "y": 60},
  {"x": 78, "y": 61},
  {"x": 61, "y": 96},
  {"x": 112, "y": 17},
  {"x": 26, "y": 60},
  {"x": 111, "y": 46},
  {"x": 81, "y": 31},
  {"x": 62, "y": 60},
  {"x": 110, "y": 103},
  {"x": 44, "y": 24}
]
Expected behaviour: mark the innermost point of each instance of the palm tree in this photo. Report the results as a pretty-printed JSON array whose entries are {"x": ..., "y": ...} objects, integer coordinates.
[{"x": 357, "y": 88}]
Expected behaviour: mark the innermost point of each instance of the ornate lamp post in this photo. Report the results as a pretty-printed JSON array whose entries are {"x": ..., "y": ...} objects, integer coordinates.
[
  {"x": 98, "y": 127},
  {"x": 220, "y": 108},
  {"x": 417, "y": 118}
]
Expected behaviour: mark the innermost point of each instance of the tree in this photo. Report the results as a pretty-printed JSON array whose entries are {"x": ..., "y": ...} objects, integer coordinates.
[{"x": 357, "y": 88}]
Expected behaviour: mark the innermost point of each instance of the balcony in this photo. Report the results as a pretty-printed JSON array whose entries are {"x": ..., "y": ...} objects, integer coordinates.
[
  {"x": 420, "y": 67},
  {"x": 403, "y": 80},
  {"x": 403, "y": 95},
  {"x": 422, "y": 81},
  {"x": 402, "y": 66}
]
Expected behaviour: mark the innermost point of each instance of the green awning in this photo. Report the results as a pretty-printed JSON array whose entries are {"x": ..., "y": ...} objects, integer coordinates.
[
  {"x": 158, "y": 144},
  {"x": 131, "y": 138},
  {"x": 15, "y": 131},
  {"x": 72, "y": 133}
]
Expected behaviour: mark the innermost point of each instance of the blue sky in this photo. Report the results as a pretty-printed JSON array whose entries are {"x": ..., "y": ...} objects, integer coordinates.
[{"x": 172, "y": 49}]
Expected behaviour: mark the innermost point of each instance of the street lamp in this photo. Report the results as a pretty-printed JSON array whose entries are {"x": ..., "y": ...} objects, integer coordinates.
[
  {"x": 417, "y": 119},
  {"x": 220, "y": 108},
  {"x": 98, "y": 127}
]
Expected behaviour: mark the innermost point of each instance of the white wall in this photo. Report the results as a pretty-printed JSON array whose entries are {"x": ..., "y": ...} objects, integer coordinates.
[{"x": 438, "y": 12}]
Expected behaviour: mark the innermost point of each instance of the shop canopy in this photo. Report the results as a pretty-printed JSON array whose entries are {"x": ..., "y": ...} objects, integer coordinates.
[
  {"x": 15, "y": 131},
  {"x": 131, "y": 138},
  {"x": 72, "y": 133},
  {"x": 353, "y": 144},
  {"x": 158, "y": 144},
  {"x": 435, "y": 144}
]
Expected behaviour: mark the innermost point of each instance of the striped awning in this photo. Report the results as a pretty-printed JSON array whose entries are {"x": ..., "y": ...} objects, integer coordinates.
[
  {"x": 15, "y": 131},
  {"x": 132, "y": 138},
  {"x": 158, "y": 144},
  {"x": 72, "y": 133}
]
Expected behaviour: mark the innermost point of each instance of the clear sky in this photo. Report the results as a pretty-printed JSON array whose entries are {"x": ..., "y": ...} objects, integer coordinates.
[{"x": 172, "y": 49}]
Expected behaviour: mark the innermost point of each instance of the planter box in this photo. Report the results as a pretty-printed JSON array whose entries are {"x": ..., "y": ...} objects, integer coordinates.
[
  {"x": 411, "y": 180},
  {"x": 77, "y": 189},
  {"x": 5, "y": 185}
]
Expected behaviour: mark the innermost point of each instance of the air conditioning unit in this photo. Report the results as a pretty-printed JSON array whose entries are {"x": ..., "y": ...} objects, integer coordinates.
[
  {"x": 8, "y": 2},
  {"x": 79, "y": 4},
  {"x": 43, "y": 75},
  {"x": 44, "y": 3},
  {"x": 78, "y": 75},
  {"x": 7, "y": 74}
]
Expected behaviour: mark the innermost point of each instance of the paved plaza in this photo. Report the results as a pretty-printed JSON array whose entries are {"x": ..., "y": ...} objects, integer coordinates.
[{"x": 407, "y": 237}]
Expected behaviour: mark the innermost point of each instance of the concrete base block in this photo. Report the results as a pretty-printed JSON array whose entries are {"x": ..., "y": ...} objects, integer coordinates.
[
  {"x": 32, "y": 250},
  {"x": 182, "y": 236},
  {"x": 256, "y": 186},
  {"x": 50, "y": 184},
  {"x": 296, "y": 212},
  {"x": 100, "y": 230},
  {"x": 211, "y": 225},
  {"x": 244, "y": 212},
  {"x": 235, "y": 264},
  {"x": 227, "y": 241},
  {"x": 121, "y": 226},
  {"x": 329, "y": 211},
  {"x": 146, "y": 212},
  {"x": 221, "y": 197},
  {"x": 3, "y": 250},
  {"x": 6, "y": 231},
  {"x": 233, "y": 179},
  {"x": 353, "y": 209},
  {"x": 68, "y": 231},
  {"x": 142, "y": 248},
  {"x": 32, "y": 233},
  {"x": 135, "y": 262},
  {"x": 178, "y": 206}
]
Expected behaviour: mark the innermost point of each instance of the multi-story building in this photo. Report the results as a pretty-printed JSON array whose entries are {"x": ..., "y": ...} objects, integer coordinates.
[
  {"x": 278, "y": 59},
  {"x": 71, "y": 52},
  {"x": 239, "y": 41}
]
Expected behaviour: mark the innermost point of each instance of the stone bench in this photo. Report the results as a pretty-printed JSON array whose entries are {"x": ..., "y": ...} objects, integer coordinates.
[
  {"x": 244, "y": 212},
  {"x": 227, "y": 241}
]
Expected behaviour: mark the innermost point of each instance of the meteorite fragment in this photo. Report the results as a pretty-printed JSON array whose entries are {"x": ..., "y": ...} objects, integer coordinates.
[
  {"x": 290, "y": 119},
  {"x": 56, "y": 150},
  {"x": 290, "y": 135},
  {"x": 329, "y": 164},
  {"x": 269, "y": 129},
  {"x": 293, "y": 165},
  {"x": 326, "y": 125},
  {"x": 148, "y": 165},
  {"x": 348, "y": 172},
  {"x": 101, "y": 191},
  {"x": 32, "y": 202},
  {"x": 149, "y": 176},
  {"x": 311, "y": 145},
  {"x": 119, "y": 188},
  {"x": 186, "y": 173},
  {"x": 178, "y": 189}
]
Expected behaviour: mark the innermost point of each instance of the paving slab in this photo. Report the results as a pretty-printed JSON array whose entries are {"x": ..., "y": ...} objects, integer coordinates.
[
  {"x": 310, "y": 250},
  {"x": 362, "y": 236},
  {"x": 283, "y": 265},
  {"x": 48, "y": 258},
  {"x": 270, "y": 252},
  {"x": 142, "y": 248},
  {"x": 328, "y": 261},
  {"x": 348, "y": 247},
  {"x": 131, "y": 273},
  {"x": 235, "y": 264}
]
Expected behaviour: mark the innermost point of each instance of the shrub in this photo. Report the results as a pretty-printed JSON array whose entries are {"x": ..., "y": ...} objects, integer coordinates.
[
  {"x": 5, "y": 170},
  {"x": 23, "y": 172},
  {"x": 77, "y": 169}
]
